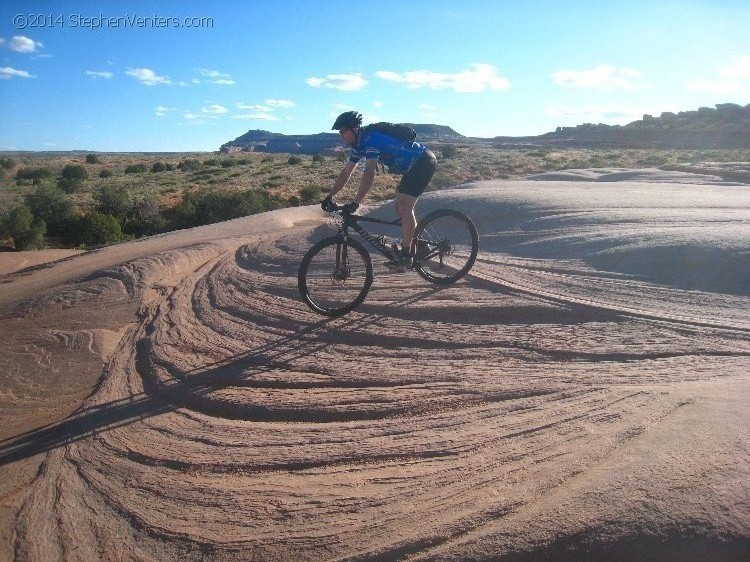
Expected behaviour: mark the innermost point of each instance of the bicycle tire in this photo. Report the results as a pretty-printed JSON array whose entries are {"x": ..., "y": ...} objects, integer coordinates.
[
  {"x": 452, "y": 246},
  {"x": 329, "y": 287}
]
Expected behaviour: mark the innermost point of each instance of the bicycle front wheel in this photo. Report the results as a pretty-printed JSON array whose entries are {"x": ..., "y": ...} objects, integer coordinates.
[
  {"x": 335, "y": 276},
  {"x": 446, "y": 246}
]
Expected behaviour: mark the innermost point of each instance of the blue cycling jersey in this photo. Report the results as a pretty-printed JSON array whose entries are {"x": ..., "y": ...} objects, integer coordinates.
[{"x": 398, "y": 155}]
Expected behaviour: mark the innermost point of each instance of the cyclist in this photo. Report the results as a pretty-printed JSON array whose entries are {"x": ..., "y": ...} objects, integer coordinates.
[{"x": 412, "y": 160}]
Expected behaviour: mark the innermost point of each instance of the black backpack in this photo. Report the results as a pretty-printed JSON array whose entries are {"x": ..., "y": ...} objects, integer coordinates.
[{"x": 400, "y": 131}]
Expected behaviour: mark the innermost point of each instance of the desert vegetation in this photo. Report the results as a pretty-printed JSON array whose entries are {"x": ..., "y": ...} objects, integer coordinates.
[{"x": 91, "y": 199}]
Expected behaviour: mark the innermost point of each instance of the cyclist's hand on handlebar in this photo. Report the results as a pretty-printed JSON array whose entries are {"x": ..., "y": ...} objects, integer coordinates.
[
  {"x": 328, "y": 205},
  {"x": 350, "y": 208}
]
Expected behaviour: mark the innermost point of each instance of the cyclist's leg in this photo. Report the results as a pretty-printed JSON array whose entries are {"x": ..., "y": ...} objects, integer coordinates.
[
  {"x": 405, "y": 210},
  {"x": 411, "y": 187}
]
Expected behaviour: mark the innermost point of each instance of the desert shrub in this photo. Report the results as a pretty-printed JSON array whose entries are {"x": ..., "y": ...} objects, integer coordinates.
[
  {"x": 72, "y": 177},
  {"x": 7, "y": 163},
  {"x": 74, "y": 172},
  {"x": 274, "y": 181},
  {"x": 26, "y": 230},
  {"x": 294, "y": 160},
  {"x": 310, "y": 194},
  {"x": 135, "y": 169},
  {"x": 228, "y": 163},
  {"x": 92, "y": 159},
  {"x": 212, "y": 162},
  {"x": 208, "y": 207},
  {"x": 106, "y": 174},
  {"x": 293, "y": 201},
  {"x": 113, "y": 200},
  {"x": 189, "y": 164},
  {"x": 318, "y": 159},
  {"x": 36, "y": 175},
  {"x": 653, "y": 160},
  {"x": 50, "y": 204},
  {"x": 138, "y": 214},
  {"x": 158, "y": 167},
  {"x": 267, "y": 159},
  {"x": 144, "y": 218},
  {"x": 449, "y": 151},
  {"x": 97, "y": 228}
]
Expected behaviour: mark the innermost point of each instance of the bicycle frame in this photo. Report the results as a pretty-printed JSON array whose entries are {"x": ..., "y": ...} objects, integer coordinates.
[{"x": 352, "y": 221}]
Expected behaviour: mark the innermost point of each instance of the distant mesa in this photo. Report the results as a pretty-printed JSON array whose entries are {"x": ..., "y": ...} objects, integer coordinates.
[
  {"x": 322, "y": 143},
  {"x": 727, "y": 125}
]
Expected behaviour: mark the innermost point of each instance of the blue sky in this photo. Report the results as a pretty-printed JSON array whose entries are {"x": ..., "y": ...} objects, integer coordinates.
[{"x": 189, "y": 76}]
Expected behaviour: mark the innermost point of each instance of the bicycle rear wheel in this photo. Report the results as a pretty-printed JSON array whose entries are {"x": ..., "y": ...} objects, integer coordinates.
[
  {"x": 446, "y": 246},
  {"x": 335, "y": 276}
]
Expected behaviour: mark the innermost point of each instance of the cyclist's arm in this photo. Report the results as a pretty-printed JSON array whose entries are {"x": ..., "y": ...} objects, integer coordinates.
[
  {"x": 368, "y": 176},
  {"x": 343, "y": 178}
]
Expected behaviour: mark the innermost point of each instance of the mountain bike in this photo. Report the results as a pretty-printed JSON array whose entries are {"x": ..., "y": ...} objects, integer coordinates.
[{"x": 336, "y": 273}]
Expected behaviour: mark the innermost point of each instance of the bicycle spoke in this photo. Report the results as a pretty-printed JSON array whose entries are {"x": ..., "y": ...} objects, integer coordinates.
[
  {"x": 453, "y": 243},
  {"x": 334, "y": 278}
]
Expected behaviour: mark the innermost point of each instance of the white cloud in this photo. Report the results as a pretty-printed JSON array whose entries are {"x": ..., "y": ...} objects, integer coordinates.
[
  {"x": 256, "y": 116},
  {"x": 216, "y": 77},
  {"x": 147, "y": 76},
  {"x": 263, "y": 112},
  {"x": 2, "y": 41},
  {"x": 279, "y": 103},
  {"x": 8, "y": 72},
  {"x": 603, "y": 77},
  {"x": 21, "y": 44},
  {"x": 260, "y": 108},
  {"x": 377, "y": 104},
  {"x": 344, "y": 82},
  {"x": 162, "y": 110},
  {"x": 214, "y": 109},
  {"x": 99, "y": 74},
  {"x": 198, "y": 118},
  {"x": 733, "y": 78},
  {"x": 477, "y": 78}
]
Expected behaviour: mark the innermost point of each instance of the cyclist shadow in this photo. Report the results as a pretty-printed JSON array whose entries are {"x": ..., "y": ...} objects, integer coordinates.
[{"x": 192, "y": 389}]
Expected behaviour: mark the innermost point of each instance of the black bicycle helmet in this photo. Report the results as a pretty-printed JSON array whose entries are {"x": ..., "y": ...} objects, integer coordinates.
[{"x": 347, "y": 120}]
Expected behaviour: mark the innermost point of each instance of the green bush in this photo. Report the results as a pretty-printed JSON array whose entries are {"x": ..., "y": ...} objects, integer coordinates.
[
  {"x": 310, "y": 194},
  {"x": 113, "y": 200},
  {"x": 36, "y": 175},
  {"x": 294, "y": 160},
  {"x": 208, "y": 207},
  {"x": 189, "y": 164},
  {"x": 92, "y": 159},
  {"x": 318, "y": 159},
  {"x": 106, "y": 174},
  {"x": 26, "y": 230},
  {"x": 138, "y": 214},
  {"x": 97, "y": 228},
  {"x": 72, "y": 177},
  {"x": 50, "y": 204},
  {"x": 74, "y": 172},
  {"x": 449, "y": 151},
  {"x": 7, "y": 163},
  {"x": 159, "y": 167},
  {"x": 135, "y": 169}
]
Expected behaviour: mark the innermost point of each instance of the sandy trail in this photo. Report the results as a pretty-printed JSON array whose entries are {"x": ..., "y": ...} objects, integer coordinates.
[{"x": 582, "y": 395}]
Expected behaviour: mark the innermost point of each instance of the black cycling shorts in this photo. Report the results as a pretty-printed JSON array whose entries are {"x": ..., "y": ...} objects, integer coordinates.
[{"x": 415, "y": 181}]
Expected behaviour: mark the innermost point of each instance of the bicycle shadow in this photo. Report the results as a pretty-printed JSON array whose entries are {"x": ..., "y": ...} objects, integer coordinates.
[{"x": 191, "y": 388}]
